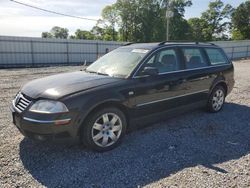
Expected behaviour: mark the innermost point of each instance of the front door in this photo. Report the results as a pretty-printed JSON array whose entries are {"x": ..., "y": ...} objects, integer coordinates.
[{"x": 164, "y": 91}]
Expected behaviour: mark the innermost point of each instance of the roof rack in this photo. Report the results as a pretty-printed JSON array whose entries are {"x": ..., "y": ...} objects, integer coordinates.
[
  {"x": 129, "y": 43},
  {"x": 196, "y": 42},
  {"x": 164, "y": 42},
  {"x": 206, "y": 43}
]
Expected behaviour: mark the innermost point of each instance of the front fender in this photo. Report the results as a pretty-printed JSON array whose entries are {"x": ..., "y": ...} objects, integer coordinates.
[{"x": 85, "y": 103}]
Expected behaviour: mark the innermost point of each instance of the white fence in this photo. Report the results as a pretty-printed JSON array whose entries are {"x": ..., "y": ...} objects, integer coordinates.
[
  {"x": 33, "y": 52},
  {"x": 235, "y": 49}
]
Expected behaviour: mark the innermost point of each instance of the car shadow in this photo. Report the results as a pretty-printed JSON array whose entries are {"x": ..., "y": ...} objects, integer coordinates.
[{"x": 147, "y": 155}]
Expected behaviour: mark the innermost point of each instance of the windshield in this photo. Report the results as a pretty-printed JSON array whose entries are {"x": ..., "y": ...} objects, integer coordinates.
[{"x": 118, "y": 63}]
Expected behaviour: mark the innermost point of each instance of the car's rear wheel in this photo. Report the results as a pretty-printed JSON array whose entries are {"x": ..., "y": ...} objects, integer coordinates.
[
  {"x": 104, "y": 129},
  {"x": 216, "y": 99}
]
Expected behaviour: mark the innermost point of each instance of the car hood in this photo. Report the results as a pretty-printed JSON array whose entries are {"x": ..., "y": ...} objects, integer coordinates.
[{"x": 60, "y": 85}]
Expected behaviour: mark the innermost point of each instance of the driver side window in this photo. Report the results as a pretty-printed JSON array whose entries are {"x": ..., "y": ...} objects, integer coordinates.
[{"x": 165, "y": 61}]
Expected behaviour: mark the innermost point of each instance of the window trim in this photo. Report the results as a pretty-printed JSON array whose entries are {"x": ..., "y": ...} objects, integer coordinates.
[
  {"x": 185, "y": 70},
  {"x": 181, "y": 58}
]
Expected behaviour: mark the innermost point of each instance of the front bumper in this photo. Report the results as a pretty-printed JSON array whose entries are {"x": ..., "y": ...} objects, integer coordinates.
[{"x": 45, "y": 127}]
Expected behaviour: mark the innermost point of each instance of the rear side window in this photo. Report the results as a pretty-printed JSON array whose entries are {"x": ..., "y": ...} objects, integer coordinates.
[
  {"x": 193, "y": 58},
  {"x": 216, "y": 56}
]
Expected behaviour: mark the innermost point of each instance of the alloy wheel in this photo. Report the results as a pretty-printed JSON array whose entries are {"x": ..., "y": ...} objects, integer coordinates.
[
  {"x": 218, "y": 99},
  {"x": 107, "y": 130}
]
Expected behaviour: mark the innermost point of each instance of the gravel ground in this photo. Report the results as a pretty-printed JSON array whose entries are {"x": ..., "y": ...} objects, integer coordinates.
[{"x": 196, "y": 149}]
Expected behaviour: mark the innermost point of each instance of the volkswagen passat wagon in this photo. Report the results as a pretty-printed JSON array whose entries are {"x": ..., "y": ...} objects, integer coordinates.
[{"x": 131, "y": 85}]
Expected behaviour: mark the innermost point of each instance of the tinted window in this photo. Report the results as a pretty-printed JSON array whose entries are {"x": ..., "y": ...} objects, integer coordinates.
[
  {"x": 215, "y": 56},
  {"x": 193, "y": 58},
  {"x": 165, "y": 61}
]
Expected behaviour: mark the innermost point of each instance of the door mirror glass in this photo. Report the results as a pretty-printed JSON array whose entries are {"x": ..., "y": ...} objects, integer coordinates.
[{"x": 151, "y": 71}]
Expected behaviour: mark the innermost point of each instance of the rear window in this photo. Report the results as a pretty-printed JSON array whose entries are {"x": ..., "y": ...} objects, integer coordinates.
[
  {"x": 193, "y": 58},
  {"x": 216, "y": 56}
]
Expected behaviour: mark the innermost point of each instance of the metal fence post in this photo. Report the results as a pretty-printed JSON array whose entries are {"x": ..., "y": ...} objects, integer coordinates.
[
  {"x": 232, "y": 53},
  {"x": 67, "y": 47},
  {"x": 247, "y": 51},
  {"x": 32, "y": 53},
  {"x": 97, "y": 50}
]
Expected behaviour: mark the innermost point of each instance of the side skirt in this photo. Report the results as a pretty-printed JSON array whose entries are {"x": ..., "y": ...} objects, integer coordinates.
[{"x": 138, "y": 123}]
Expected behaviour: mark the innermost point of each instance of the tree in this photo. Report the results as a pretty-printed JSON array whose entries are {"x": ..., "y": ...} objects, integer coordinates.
[
  {"x": 145, "y": 20},
  {"x": 236, "y": 35},
  {"x": 98, "y": 32},
  {"x": 109, "y": 34},
  {"x": 218, "y": 18},
  {"x": 126, "y": 10},
  {"x": 241, "y": 21},
  {"x": 197, "y": 29},
  {"x": 178, "y": 5},
  {"x": 59, "y": 32},
  {"x": 82, "y": 34},
  {"x": 179, "y": 28},
  {"x": 46, "y": 35},
  {"x": 110, "y": 14},
  {"x": 56, "y": 32}
]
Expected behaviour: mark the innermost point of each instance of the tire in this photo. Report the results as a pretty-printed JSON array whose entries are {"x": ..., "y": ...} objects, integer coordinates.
[
  {"x": 216, "y": 99},
  {"x": 104, "y": 129}
]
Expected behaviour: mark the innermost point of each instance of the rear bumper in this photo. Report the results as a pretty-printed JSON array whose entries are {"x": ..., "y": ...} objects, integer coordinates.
[
  {"x": 231, "y": 86},
  {"x": 45, "y": 128}
]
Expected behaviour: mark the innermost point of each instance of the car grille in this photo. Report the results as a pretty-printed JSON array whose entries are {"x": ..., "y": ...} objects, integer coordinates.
[{"x": 21, "y": 102}]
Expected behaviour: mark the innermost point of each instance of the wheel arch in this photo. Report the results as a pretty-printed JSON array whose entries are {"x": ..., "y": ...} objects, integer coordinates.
[
  {"x": 105, "y": 104},
  {"x": 219, "y": 83}
]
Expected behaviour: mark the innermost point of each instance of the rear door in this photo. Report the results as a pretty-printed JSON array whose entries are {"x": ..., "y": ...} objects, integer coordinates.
[{"x": 198, "y": 77}]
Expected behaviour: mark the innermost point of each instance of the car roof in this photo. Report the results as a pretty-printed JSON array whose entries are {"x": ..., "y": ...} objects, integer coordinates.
[{"x": 151, "y": 46}]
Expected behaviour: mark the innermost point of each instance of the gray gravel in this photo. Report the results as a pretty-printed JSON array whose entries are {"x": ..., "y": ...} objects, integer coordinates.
[{"x": 196, "y": 149}]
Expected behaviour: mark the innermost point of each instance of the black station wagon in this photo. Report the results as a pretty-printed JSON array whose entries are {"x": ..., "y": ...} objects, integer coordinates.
[{"x": 130, "y": 86}]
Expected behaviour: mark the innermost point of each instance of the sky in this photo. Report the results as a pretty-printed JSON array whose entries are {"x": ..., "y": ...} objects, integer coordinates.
[{"x": 18, "y": 20}]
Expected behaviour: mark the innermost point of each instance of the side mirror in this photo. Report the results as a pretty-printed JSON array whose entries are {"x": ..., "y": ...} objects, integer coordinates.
[{"x": 151, "y": 71}]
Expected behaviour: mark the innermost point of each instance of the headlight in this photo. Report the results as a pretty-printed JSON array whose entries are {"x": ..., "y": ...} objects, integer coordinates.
[{"x": 48, "y": 107}]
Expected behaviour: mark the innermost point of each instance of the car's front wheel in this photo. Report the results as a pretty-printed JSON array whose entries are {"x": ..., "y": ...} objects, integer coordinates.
[
  {"x": 216, "y": 99},
  {"x": 104, "y": 129}
]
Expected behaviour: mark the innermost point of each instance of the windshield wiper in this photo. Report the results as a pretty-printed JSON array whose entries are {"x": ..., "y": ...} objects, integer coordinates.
[
  {"x": 99, "y": 73},
  {"x": 90, "y": 71},
  {"x": 104, "y": 74}
]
